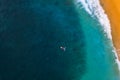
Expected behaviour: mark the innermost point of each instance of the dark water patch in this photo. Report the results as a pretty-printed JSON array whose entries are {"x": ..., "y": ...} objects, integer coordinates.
[{"x": 30, "y": 43}]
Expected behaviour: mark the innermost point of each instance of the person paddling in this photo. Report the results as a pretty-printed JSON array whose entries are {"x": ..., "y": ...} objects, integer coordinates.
[{"x": 63, "y": 48}]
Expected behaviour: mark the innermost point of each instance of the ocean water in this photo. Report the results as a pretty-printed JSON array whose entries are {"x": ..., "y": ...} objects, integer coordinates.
[
  {"x": 101, "y": 56},
  {"x": 55, "y": 40}
]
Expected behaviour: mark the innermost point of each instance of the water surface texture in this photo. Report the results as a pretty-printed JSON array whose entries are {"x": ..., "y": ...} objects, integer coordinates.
[{"x": 52, "y": 40}]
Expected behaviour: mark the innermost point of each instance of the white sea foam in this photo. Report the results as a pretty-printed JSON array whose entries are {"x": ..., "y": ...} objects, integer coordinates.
[{"x": 94, "y": 8}]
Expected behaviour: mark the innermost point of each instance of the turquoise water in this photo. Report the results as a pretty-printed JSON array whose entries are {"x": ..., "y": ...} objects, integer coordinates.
[
  {"x": 31, "y": 36},
  {"x": 100, "y": 58}
]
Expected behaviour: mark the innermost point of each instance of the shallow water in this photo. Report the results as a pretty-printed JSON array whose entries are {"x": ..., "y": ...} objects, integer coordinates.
[{"x": 100, "y": 58}]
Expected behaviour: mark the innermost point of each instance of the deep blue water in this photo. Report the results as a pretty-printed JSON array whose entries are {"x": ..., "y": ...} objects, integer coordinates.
[{"x": 31, "y": 34}]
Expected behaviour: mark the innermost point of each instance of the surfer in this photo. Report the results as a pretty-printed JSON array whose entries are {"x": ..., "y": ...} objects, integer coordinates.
[{"x": 63, "y": 48}]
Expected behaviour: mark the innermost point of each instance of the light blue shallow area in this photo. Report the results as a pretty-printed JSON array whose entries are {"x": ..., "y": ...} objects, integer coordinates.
[{"x": 100, "y": 57}]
